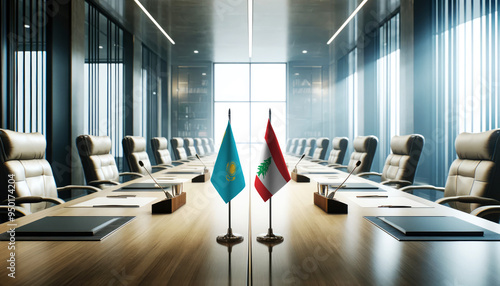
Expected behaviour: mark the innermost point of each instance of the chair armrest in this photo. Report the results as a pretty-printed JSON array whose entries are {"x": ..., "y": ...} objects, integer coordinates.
[
  {"x": 401, "y": 183},
  {"x": 365, "y": 174},
  {"x": 98, "y": 183},
  {"x": 469, "y": 199},
  {"x": 485, "y": 211},
  {"x": 338, "y": 166},
  {"x": 410, "y": 189},
  {"x": 163, "y": 167},
  {"x": 91, "y": 189},
  {"x": 36, "y": 199},
  {"x": 17, "y": 210},
  {"x": 131, "y": 174}
]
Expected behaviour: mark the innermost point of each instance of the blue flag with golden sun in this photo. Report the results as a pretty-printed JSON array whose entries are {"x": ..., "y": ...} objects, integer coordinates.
[{"x": 227, "y": 176}]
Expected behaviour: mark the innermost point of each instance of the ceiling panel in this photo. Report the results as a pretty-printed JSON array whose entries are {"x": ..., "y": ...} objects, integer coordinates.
[{"x": 218, "y": 28}]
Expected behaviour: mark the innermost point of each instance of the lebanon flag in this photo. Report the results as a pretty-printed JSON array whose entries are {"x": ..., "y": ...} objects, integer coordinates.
[{"x": 272, "y": 173}]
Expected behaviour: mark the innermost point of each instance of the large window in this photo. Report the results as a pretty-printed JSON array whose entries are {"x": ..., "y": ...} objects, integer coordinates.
[
  {"x": 466, "y": 44},
  {"x": 27, "y": 66},
  {"x": 103, "y": 77},
  {"x": 250, "y": 90}
]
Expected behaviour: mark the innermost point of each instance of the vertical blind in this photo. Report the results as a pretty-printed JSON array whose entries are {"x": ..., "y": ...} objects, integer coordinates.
[
  {"x": 27, "y": 65},
  {"x": 466, "y": 42},
  {"x": 104, "y": 85},
  {"x": 388, "y": 91}
]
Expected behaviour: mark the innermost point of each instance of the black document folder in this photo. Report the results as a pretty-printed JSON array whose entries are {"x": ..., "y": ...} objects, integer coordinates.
[
  {"x": 432, "y": 226},
  {"x": 65, "y": 226},
  {"x": 69, "y": 228}
]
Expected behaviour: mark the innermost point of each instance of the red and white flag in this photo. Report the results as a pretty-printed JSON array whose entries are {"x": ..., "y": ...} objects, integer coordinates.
[{"x": 272, "y": 173}]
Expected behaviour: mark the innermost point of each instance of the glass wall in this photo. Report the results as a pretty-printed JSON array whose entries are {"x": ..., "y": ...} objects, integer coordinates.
[
  {"x": 27, "y": 66},
  {"x": 103, "y": 79}
]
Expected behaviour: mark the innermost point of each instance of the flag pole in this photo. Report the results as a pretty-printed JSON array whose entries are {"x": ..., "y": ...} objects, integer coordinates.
[
  {"x": 229, "y": 238},
  {"x": 270, "y": 238}
]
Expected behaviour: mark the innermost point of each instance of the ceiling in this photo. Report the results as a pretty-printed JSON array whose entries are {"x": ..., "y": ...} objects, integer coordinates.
[{"x": 218, "y": 29}]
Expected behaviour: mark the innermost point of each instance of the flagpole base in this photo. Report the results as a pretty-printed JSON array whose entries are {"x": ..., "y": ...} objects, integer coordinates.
[
  {"x": 229, "y": 238},
  {"x": 270, "y": 238}
]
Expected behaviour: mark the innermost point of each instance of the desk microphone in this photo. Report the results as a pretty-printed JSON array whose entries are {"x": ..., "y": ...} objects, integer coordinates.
[
  {"x": 167, "y": 194},
  {"x": 197, "y": 156},
  {"x": 301, "y": 157},
  {"x": 331, "y": 195}
]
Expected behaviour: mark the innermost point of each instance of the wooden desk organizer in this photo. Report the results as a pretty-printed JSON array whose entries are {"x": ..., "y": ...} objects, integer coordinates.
[
  {"x": 300, "y": 178},
  {"x": 331, "y": 206},
  {"x": 168, "y": 206},
  {"x": 202, "y": 178}
]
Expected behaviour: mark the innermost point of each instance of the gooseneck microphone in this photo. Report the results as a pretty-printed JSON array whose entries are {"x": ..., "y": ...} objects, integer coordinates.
[
  {"x": 167, "y": 194},
  {"x": 332, "y": 194},
  {"x": 301, "y": 157},
  {"x": 197, "y": 156}
]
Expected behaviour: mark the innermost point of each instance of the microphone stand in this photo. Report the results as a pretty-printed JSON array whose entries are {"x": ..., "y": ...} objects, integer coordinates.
[
  {"x": 332, "y": 194},
  {"x": 297, "y": 177}
]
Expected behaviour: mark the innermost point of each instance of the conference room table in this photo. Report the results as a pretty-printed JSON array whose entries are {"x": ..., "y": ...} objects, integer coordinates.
[{"x": 318, "y": 248}]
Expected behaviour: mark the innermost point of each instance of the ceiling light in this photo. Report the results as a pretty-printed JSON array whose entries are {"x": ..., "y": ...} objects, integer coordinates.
[
  {"x": 304, "y": 51},
  {"x": 195, "y": 51},
  {"x": 101, "y": 47},
  {"x": 250, "y": 27},
  {"x": 154, "y": 21},
  {"x": 297, "y": 73},
  {"x": 27, "y": 26},
  {"x": 204, "y": 74},
  {"x": 347, "y": 21}
]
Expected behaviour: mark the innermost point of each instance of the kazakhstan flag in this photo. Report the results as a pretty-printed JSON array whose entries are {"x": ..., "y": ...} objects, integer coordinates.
[{"x": 227, "y": 176}]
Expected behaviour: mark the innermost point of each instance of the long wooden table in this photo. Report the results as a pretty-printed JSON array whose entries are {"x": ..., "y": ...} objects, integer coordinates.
[{"x": 318, "y": 248}]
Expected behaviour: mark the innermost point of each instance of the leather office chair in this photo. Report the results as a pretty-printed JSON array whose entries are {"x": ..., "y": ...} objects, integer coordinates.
[
  {"x": 301, "y": 145},
  {"x": 98, "y": 164},
  {"x": 474, "y": 177},
  {"x": 206, "y": 145},
  {"x": 320, "y": 150},
  {"x": 189, "y": 146},
  {"x": 134, "y": 149},
  {"x": 310, "y": 147},
  {"x": 364, "y": 151},
  {"x": 401, "y": 165},
  {"x": 198, "y": 144},
  {"x": 178, "y": 149},
  {"x": 25, "y": 168},
  {"x": 161, "y": 153},
  {"x": 337, "y": 154}
]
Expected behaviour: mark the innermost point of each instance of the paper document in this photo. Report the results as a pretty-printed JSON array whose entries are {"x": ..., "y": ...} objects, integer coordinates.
[{"x": 115, "y": 202}]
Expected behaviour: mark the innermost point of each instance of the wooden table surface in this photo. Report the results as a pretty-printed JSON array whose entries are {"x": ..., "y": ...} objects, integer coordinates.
[{"x": 318, "y": 248}]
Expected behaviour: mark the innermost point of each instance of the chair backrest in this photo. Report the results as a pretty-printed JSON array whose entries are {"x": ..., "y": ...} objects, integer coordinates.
[
  {"x": 178, "y": 148},
  {"x": 402, "y": 163},
  {"x": 160, "y": 150},
  {"x": 189, "y": 146},
  {"x": 310, "y": 146},
  {"x": 211, "y": 144},
  {"x": 288, "y": 145},
  {"x": 339, "y": 148},
  {"x": 206, "y": 145},
  {"x": 301, "y": 145},
  {"x": 22, "y": 155},
  {"x": 198, "y": 144},
  {"x": 321, "y": 148},
  {"x": 97, "y": 161},
  {"x": 134, "y": 150},
  {"x": 476, "y": 171},
  {"x": 364, "y": 151},
  {"x": 293, "y": 147}
]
